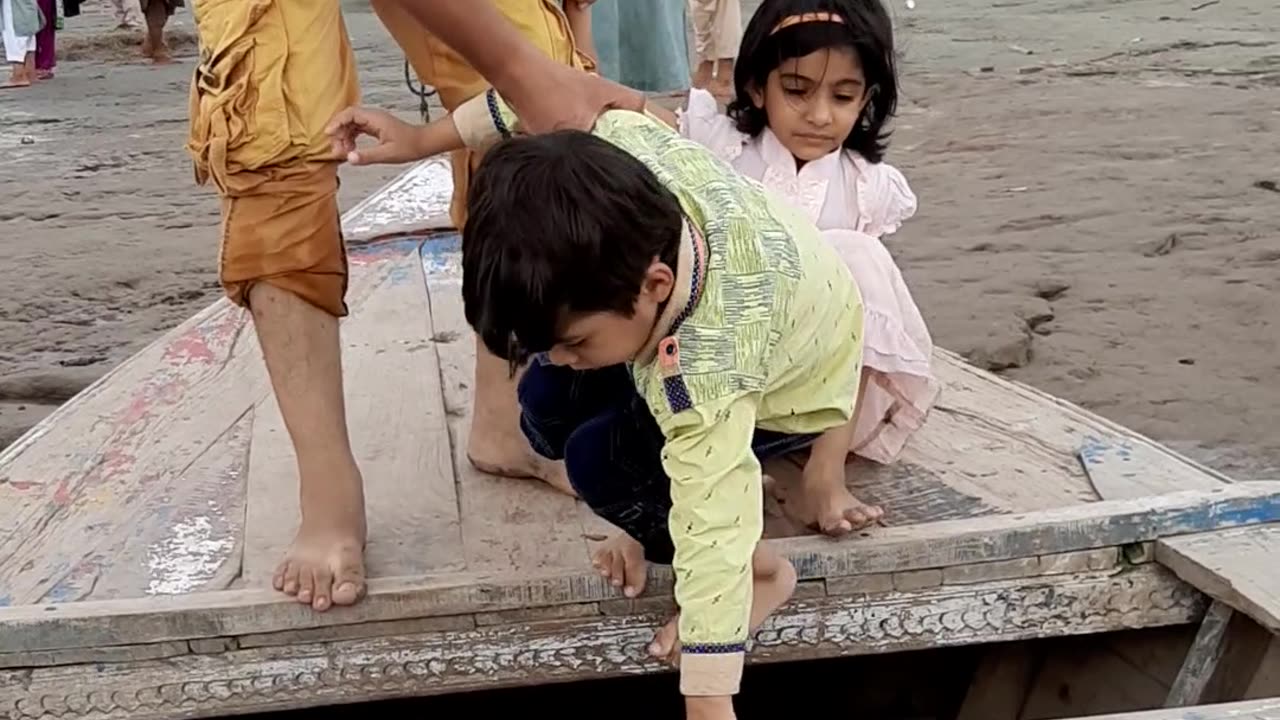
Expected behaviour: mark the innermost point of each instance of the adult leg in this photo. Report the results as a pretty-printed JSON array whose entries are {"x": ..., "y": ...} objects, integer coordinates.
[
  {"x": 124, "y": 14},
  {"x": 156, "y": 13},
  {"x": 282, "y": 255},
  {"x": 495, "y": 444},
  {"x": 19, "y": 50},
  {"x": 46, "y": 48}
]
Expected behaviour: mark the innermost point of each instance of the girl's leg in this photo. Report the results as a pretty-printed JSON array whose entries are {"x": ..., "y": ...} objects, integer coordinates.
[{"x": 822, "y": 500}]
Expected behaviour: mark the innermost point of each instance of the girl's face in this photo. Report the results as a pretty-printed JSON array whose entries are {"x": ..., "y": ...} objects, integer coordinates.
[{"x": 813, "y": 102}]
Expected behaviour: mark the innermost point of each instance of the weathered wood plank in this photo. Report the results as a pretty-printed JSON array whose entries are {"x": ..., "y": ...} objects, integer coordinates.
[
  {"x": 191, "y": 538},
  {"x": 507, "y": 525},
  {"x": 1249, "y": 710},
  {"x": 1019, "y": 444},
  {"x": 1124, "y": 467},
  {"x": 1004, "y": 537},
  {"x": 936, "y": 545},
  {"x": 1237, "y": 567},
  {"x": 396, "y": 419},
  {"x": 488, "y": 657},
  {"x": 79, "y": 484},
  {"x": 1202, "y": 658},
  {"x": 414, "y": 203}
]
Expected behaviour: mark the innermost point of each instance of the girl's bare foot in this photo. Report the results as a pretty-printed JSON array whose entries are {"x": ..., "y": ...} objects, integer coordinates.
[
  {"x": 773, "y": 584},
  {"x": 620, "y": 560},
  {"x": 820, "y": 500}
]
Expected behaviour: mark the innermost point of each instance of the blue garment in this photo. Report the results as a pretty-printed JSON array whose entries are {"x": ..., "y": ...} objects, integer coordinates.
[
  {"x": 642, "y": 44},
  {"x": 599, "y": 425}
]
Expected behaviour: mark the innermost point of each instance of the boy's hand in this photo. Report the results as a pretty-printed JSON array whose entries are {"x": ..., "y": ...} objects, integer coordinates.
[
  {"x": 398, "y": 141},
  {"x": 709, "y": 708}
]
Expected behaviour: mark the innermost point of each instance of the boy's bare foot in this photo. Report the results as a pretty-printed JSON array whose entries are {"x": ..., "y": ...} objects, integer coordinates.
[
  {"x": 325, "y": 564},
  {"x": 621, "y": 561},
  {"x": 507, "y": 454},
  {"x": 770, "y": 591}
]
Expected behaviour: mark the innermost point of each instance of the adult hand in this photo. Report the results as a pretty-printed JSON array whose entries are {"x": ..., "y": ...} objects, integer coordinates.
[
  {"x": 398, "y": 141},
  {"x": 559, "y": 97}
]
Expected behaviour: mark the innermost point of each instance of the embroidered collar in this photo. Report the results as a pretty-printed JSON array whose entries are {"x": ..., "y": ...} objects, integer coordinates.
[{"x": 690, "y": 281}]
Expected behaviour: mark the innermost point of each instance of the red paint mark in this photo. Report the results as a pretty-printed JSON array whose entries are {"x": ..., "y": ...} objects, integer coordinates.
[
  {"x": 62, "y": 495},
  {"x": 191, "y": 347},
  {"x": 21, "y": 485}
]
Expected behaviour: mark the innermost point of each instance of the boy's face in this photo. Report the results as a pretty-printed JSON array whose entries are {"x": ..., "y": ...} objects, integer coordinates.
[{"x": 600, "y": 339}]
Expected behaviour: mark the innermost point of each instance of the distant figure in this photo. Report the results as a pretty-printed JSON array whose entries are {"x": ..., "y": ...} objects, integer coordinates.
[
  {"x": 643, "y": 45},
  {"x": 124, "y": 14},
  {"x": 46, "y": 45},
  {"x": 717, "y": 30},
  {"x": 157, "y": 14},
  {"x": 21, "y": 23}
]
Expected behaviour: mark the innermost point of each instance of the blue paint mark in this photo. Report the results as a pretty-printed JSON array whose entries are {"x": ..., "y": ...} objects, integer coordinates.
[
  {"x": 442, "y": 255},
  {"x": 385, "y": 247},
  {"x": 6, "y": 600}
]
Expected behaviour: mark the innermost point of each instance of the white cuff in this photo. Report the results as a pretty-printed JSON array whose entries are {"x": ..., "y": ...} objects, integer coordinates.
[{"x": 710, "y": 674}]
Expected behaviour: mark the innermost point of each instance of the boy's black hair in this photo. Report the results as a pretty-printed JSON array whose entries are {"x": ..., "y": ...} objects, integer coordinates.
[
  {"x": 558, "y": 223},
  {"x": 867, "y": 29}
]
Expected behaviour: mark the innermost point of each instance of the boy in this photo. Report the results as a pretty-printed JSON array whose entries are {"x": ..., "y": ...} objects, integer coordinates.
[{"x": 682, "y": 324}]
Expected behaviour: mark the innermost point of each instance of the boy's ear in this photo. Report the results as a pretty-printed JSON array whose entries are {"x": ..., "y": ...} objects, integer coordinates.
[{"x": 659, "y": 281}]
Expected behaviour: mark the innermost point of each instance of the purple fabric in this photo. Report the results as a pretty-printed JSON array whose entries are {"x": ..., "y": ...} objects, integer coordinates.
[{"x": 46, "y": 52}]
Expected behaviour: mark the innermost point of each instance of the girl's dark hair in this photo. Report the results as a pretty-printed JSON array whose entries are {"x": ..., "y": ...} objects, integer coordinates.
[
  {"x": 556, "y": 223},
  {"x": 867, "y": 30}
]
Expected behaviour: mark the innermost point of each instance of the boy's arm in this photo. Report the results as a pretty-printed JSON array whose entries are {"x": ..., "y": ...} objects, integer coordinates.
[{"x": 716, "y": 521}]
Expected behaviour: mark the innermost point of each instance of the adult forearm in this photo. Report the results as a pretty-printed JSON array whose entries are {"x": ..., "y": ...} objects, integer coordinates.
[{"x": 480, "y": 34}]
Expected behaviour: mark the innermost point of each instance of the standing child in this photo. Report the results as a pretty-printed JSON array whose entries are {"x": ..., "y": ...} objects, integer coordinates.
[
  {"x": 683, "y": 325},
  {"x": 815, "y": 85}
]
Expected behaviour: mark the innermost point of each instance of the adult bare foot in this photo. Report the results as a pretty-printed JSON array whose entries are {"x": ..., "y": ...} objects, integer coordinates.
[
  {"x": 772, "y": 586},
  {"x": 513, "y": 458},
  {"x": 325, "y": 564},
  {"x": 19, "y": 77},
  {"x": 496, "y": 445},
  {"x": 621, "y": 561}
]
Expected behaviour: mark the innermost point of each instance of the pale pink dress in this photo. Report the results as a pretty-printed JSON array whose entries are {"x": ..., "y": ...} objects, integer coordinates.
[{"x": 854, "y": 203}]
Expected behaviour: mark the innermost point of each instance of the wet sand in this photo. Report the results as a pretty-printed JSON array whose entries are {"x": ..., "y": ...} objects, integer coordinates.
[{"x": 1099, "y": 210}]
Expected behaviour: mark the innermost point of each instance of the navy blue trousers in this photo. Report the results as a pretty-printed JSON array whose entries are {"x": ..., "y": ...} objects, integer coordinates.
[{"x": 596, "y": 422}]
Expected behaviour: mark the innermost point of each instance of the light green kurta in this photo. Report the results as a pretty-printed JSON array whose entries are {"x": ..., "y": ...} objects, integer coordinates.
[{"x": 772, "y": 340}]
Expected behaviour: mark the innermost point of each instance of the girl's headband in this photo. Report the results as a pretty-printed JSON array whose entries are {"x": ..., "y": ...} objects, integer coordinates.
[{"x": 807, "y": 18}]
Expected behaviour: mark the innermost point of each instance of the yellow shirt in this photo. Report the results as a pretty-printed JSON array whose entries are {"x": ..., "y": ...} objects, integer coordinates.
[{"x": 772, "y": 339}]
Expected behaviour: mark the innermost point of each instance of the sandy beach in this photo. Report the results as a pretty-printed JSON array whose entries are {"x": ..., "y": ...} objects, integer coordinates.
[{"x": 1099, "y": 213}]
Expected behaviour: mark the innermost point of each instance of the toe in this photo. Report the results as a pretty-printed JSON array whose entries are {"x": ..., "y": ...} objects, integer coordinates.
[
  {"x": 323, "y": 589},
  {"x": 277, "y": 579},
  {"x": 290, "y": 579},
  {"x": 349, "y": 586},
  {"x": 306, "y": 586},
  {"x": 664, "y": 642}
]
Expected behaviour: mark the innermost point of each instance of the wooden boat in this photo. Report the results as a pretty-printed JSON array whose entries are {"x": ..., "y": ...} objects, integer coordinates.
[{"x": 139, "y": 525}]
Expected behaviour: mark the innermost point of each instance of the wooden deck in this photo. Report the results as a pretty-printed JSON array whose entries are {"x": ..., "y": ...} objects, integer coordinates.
[{"x": 140, "y": 523}]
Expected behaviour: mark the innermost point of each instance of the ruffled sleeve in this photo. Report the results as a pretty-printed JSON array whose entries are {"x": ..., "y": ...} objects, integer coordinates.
[
  {"x": 884, "y": 198},
  {"x": 703, "y": 123}
]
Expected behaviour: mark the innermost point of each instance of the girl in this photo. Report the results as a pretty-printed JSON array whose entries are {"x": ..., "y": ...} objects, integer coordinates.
[{"x": 814, "y": 86}]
